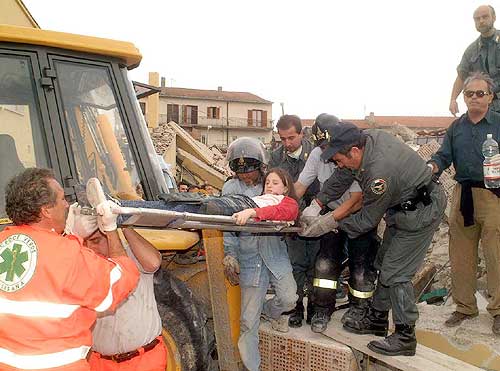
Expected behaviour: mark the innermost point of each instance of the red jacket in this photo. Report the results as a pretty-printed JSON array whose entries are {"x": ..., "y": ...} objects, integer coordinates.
[
  {"x": 50, "y": 290},
  {"x": 286, "y": 210}
]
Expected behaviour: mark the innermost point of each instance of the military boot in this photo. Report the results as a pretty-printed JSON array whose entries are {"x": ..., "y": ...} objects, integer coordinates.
[
  {"x": 296, "y": 316},
  {"x": 374, "y": 322},
  {"x": 401, "y": 343},
  {"x": 357, "y": 309},
  {"x": 320, "y": 320}
]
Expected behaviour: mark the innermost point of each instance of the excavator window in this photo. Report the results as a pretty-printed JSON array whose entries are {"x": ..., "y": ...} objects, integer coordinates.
[
  {"x": 95, "y": 128},
  {"x": 22, "y": 142}
]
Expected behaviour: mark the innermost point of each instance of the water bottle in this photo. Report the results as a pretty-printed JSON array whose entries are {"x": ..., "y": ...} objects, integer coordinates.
[{"x": 491, "y": 171}]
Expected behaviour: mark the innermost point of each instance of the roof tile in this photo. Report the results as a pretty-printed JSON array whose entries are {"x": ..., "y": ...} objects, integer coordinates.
[{"x": 231, "y": 96}]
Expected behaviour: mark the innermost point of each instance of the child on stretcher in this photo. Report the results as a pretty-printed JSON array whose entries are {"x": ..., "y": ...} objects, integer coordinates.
[{"x": 278, "y": 202}]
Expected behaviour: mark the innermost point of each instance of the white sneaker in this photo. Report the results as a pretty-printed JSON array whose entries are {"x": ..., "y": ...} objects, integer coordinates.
[{"x": 95, "y": 194}]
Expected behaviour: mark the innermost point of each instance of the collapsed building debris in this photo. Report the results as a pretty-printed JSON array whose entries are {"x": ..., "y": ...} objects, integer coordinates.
[{"x": 190, "y": 160}]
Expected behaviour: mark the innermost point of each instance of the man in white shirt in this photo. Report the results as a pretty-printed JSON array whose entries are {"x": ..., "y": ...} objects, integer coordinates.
[{"x": 361, "y": 251}]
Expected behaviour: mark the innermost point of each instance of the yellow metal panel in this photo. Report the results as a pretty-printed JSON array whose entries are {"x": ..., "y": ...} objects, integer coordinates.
[
  {"x": 88, "y": 44},
  {"x": 169, "y": 239}
]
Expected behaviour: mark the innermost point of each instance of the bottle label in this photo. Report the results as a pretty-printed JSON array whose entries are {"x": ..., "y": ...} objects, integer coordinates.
[{"x": 491, "y": 171}]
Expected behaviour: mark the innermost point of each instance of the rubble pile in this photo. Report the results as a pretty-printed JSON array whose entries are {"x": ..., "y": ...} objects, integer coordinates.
[
  {"x": 219, "y": 161},
  {"x": 403, "y": 132},
  {"x": 191, "y": 160},
  {"x": 162, "y": 137}
]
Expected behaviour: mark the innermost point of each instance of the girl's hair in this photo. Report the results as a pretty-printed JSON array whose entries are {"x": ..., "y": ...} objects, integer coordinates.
[{"x": 286, "y": 179}]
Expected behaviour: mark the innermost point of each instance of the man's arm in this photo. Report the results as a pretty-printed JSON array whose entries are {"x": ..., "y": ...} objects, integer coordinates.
[
  {"x": 308, "y": 174},
  {"x": 335, "y": 186},
  {"x": 147, "y": 255},
  {"x": 443, "y": 158},
  {"x": 458, "y": 86},
  {"x": 231, "y": 240},
  {"x": 115, "y": 244},
  {"x": 348, "y": 206},
  {"x": 374, "y": 208},
  {"x": 300, "y": 189}
]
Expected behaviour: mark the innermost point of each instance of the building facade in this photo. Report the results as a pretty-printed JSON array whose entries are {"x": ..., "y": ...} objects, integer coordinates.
[{"x": 217, "y": 117}]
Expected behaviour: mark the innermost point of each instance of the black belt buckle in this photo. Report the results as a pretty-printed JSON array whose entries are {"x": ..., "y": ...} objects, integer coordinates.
[{"x": 119, "y": 358}]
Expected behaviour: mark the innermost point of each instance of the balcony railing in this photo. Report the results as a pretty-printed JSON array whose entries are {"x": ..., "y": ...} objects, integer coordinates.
[{"x": 224, "y": 123}]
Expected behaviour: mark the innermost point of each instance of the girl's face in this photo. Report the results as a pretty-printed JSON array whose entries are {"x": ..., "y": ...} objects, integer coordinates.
[{"x": 274, "y": 185}]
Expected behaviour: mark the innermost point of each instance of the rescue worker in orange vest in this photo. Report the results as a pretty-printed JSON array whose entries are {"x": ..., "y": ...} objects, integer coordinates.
[{"x": 50, "y": 285}]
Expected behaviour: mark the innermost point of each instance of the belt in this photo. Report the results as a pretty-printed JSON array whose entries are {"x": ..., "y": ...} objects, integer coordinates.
[
  {"x": 423, "y": 195},
  {"x": 122, "y": 357}
]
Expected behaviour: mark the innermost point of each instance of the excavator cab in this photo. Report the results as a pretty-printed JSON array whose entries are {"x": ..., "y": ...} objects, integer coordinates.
[
  {"x": 67, "y": 104},
  {"x": 75, "y": 112}
]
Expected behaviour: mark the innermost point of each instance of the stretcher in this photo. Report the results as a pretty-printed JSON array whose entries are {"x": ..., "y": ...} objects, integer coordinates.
[{"x": 166, "y": 219}]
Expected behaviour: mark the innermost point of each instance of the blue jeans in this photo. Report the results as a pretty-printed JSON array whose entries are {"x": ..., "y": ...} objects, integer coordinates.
[{"x": 253, "y": 302}]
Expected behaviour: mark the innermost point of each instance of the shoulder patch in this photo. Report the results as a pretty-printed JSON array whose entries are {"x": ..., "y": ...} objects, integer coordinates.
[
  {"x": 378, "y": 186},
  {"x": 18, "y": 259}
]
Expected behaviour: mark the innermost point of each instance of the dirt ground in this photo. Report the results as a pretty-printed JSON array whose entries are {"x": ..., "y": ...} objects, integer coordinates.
[{"x": 432, "y": 317}]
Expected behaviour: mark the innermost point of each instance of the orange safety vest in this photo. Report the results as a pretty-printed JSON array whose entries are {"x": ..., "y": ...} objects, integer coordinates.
[{"x": 50, "y": 290}]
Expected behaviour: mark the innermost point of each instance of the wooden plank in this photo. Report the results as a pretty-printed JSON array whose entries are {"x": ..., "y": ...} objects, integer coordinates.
[{"x": 425, "y": 359}]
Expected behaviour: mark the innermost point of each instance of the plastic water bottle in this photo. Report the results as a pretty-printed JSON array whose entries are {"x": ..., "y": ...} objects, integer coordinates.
[{"x": 491, "y": 171}]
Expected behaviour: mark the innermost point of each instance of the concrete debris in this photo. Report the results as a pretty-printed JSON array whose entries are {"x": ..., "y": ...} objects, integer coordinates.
[
  {"x": 175, "y": 145},
  {"x": 406, "y": 134},
  {"x": 163, "y": 136}
]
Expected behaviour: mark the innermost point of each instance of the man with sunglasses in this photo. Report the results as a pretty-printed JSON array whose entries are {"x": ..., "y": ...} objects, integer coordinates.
[
  {"x": 475, "y": 211},
  {"x": 480, "y": 56},
  {"x": 398, "y": 186}
]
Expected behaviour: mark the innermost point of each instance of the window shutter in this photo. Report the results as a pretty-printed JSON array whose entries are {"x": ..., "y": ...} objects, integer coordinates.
[
  {"x": 249, "y": 121},
  {"x": 194, "y": 115},
  {"x": 264, "y": 119},
  {"x": 175, "y": 113},
  {"x": 184, "y": 114},
  {"x": 208, "y": 112},
  {"x": 218, "y": 113}
]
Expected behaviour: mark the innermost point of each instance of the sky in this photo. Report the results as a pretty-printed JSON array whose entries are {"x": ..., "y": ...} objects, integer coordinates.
[{"x": 348, "y": 58}]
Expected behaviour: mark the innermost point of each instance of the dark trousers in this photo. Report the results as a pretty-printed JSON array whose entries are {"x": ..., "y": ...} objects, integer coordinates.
[
  {"x": 361, "y": 252},
  {"x": 406, "y": 238},
  {"x": 327, "y": 269}
]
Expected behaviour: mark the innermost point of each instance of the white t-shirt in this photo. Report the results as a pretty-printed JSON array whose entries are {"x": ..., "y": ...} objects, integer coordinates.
[
  {"x": 315, "y": 167},
  {"x": 267, "y": 200},
  {"x": 136, "y": 321}
]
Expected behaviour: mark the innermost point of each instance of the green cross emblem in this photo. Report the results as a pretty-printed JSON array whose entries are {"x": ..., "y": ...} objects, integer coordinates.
[{"x": 13, "y": 260}]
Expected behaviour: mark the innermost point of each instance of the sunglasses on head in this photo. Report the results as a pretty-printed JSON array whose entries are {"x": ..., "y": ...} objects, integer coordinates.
[{"x": 479, "y": 93}]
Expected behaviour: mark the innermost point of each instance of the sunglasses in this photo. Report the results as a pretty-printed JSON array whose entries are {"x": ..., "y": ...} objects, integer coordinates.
[{"x": 479, "y": 93}]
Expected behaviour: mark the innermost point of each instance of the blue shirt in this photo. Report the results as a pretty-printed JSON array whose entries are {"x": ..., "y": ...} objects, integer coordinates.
[
  {"x": 254, "y": 251},
  {"x": 463, "y": 144}
]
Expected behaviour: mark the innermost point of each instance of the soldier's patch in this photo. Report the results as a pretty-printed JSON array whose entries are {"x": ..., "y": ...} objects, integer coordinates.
[
  {"x": 378, "y": 186},
  {"x": 18, "y": 258}
]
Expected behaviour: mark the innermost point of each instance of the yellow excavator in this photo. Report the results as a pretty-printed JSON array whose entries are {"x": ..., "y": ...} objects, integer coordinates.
[{"x": 66, "y": 103}]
